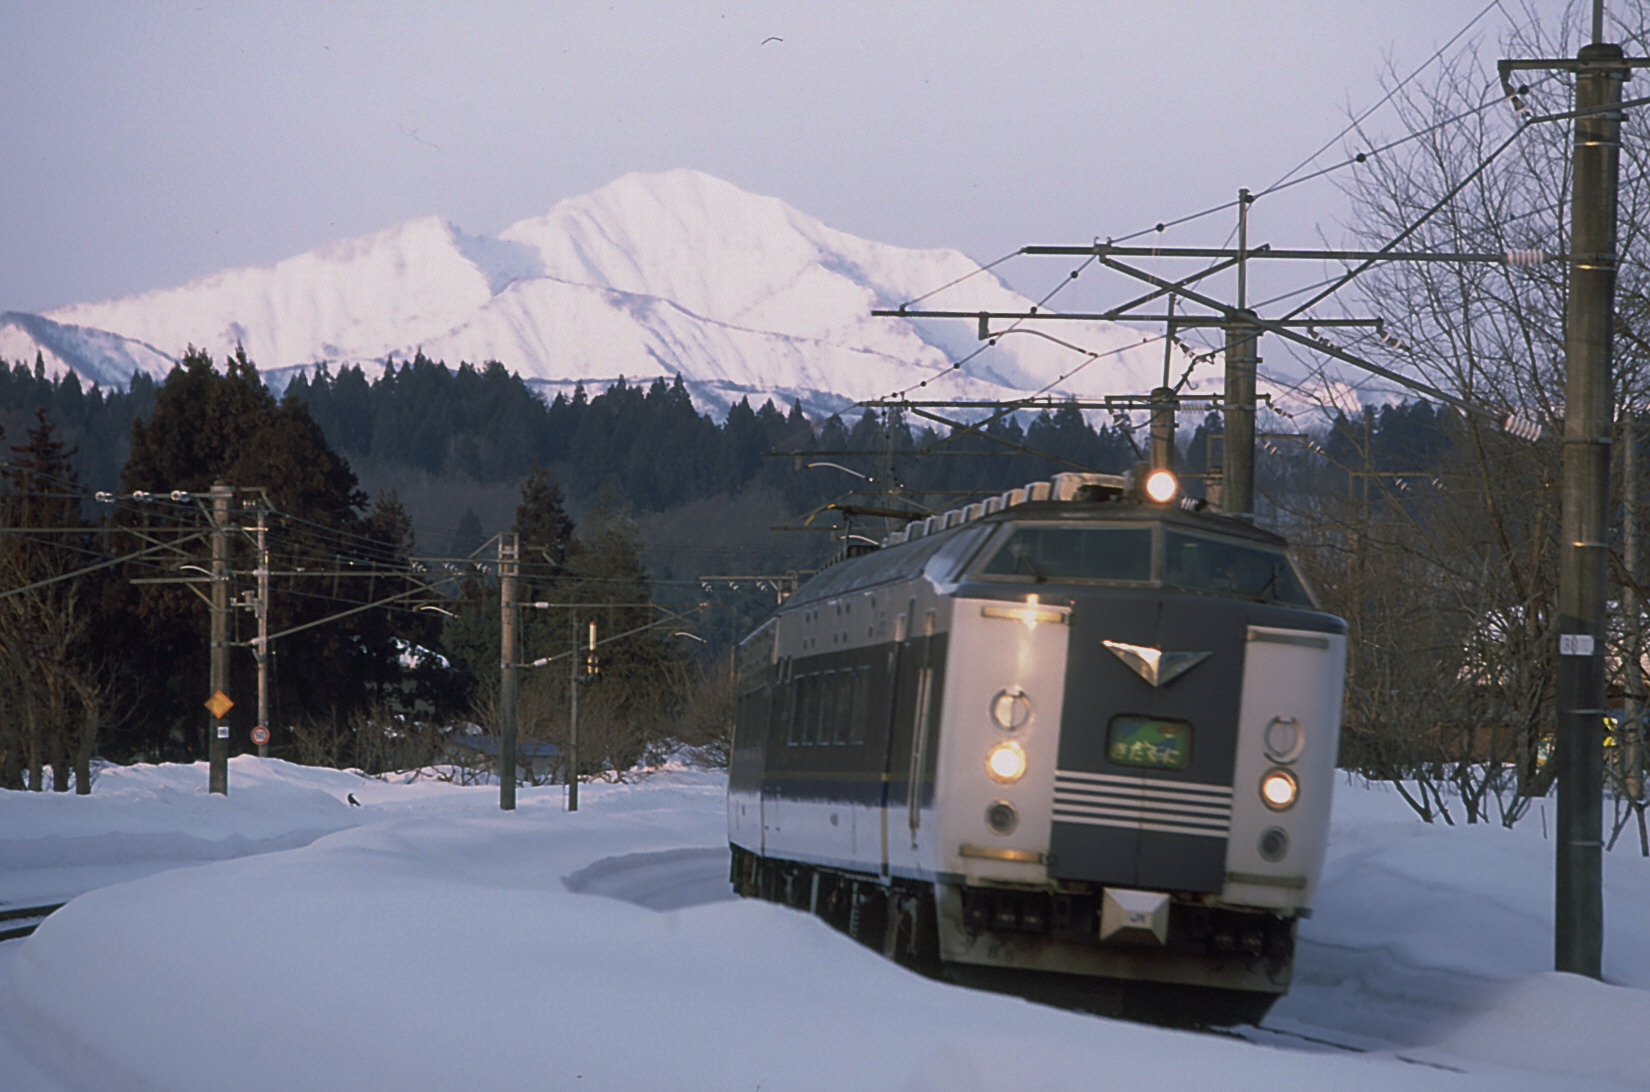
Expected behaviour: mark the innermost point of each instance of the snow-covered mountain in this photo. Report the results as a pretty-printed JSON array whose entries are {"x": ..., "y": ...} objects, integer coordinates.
[{"x": 654, "y": 274}]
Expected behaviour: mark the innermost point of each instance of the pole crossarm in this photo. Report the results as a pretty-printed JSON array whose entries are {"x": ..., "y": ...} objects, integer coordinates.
[
  {"x": 1101, "y": 250},
  {"x": 1311, "y": 343},
  {"x": 1183, "y": 321}
]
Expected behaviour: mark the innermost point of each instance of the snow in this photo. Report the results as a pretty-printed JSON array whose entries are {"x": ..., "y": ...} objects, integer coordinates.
[{"x": 280, "y": 938}]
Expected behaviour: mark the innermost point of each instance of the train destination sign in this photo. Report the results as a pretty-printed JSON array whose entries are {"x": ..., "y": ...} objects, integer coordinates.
[{"x": 1151, "y": 742}]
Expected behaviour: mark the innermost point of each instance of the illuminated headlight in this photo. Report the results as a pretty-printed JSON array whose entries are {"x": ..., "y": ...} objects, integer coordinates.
[
  {"x": 1278, "y": 789},
  {"x": 1161, "y": 486},
  {"x": 1006, "y": 762}
]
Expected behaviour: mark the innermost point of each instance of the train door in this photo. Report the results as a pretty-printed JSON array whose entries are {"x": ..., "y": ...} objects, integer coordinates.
[
  {"x": 921, "y": 730},
  {"x": 901, "y": 676},
  {"x": 779, "y": 726}
]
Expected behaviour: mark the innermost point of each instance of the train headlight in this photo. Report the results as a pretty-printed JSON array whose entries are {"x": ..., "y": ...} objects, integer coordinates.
[
  {"x": 1006, "y": 762},
  {"x": 1161, "y": 486},
  {"x": 1278, "y": 789}
]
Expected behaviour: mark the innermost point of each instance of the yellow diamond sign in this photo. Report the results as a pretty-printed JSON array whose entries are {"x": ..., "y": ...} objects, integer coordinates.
[{"x": 219, "y": 703}]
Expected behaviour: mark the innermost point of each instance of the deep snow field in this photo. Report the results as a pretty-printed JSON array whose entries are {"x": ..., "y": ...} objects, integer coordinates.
[{"x": 280, "y": 938}]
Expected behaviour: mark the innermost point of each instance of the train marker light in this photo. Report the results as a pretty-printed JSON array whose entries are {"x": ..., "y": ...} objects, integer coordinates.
[
  {"x": 1032, "y": 612},
  {"x": 1278, "y": 789},
  {"x": 1010, "y": 709},
  {"x": 1006, "y": 762},
  {"x": 1161, "y": 486},
  {"x": 1283, "y": 739}
]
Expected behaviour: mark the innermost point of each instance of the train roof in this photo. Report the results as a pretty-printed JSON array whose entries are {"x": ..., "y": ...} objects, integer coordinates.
[{"x": 1086, "y": 497}]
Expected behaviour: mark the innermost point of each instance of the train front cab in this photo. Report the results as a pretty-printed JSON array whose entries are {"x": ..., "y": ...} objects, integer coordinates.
[{"x": 1139, "y": 750}]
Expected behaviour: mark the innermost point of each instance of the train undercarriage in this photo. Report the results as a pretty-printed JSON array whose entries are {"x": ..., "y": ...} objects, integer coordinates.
[{"x": 1019, "y": 940}]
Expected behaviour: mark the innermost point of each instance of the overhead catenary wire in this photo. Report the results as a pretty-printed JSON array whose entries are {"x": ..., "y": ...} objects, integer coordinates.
[
  {"x": 1285, "y": 181},
  {"x": 1355, "y": 122}
]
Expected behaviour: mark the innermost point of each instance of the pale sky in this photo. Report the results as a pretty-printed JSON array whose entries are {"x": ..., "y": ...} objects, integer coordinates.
[{"x": 148, "y": 143}]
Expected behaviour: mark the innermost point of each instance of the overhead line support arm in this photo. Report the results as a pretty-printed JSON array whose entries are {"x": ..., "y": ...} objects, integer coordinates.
[{"x": 1329, "y": 350}]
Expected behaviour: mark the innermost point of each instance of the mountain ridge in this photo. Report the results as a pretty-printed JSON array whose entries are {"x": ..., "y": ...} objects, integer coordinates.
[{"x": 671, "y": 273}]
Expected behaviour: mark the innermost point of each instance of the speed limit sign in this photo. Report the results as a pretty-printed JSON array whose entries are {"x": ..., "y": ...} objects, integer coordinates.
[{"x": 260, "y": 735}]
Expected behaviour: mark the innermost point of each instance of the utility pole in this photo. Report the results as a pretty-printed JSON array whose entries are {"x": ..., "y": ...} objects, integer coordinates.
[
  {"x": 575, "y": 678},
  {"x": 1578, "y": 936},
  {"x": 1630, "y": 733},
  {"x": 260, "y": 647},
  {"x": 573, "y": 720},
  {"x": 509, "y": 654},
  {"x": 218, "y": 729},
  {"x": 1237, "y": 456},
  {"x": 1162, "y": 428}
]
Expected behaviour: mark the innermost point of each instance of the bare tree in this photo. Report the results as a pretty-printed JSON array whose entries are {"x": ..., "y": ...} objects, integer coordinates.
[{"x": 1447, "y": 572}]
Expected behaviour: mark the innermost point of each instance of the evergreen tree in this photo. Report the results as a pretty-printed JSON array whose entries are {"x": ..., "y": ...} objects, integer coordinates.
[
  {"x": 208, "y": 426},
  {"x": 543, "y": 528}
]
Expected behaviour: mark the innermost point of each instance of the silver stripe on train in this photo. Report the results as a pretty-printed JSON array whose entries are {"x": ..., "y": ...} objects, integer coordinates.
[{"x": 1143, "y": 803}]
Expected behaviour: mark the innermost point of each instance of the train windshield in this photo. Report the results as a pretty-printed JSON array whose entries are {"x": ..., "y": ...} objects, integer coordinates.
[
  {"x": 1236, "y": 569},
  {"x": 1075, "y": 553},
  {"x": 1127, "y": 555}
]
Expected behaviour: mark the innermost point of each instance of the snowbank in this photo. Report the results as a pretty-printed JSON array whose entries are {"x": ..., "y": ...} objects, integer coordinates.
[{"x": 427, "y": 940}]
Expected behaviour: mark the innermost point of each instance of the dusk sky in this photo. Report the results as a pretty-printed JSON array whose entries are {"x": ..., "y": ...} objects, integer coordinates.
[{"x": 148, "y": 143}]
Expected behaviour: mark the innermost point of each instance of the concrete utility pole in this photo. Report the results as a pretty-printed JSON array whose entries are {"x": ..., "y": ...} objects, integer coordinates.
[
  {"x": 1237, "y": 447},
  {"x": 509, "y": 654},
  {"x": 1630, "y": 733},
  {"x": 1578, "y": 936},
  {"x": 218, "y": 729},
  {"x": 575, "y": 677},
  {"x": 260, "y": 648},
  {"x": 1162, "y": 428},
  {"x": 573, "y": 721}
]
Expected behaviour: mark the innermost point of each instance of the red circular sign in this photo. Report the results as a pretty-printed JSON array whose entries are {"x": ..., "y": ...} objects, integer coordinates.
[{"x": 260, "y": 735}]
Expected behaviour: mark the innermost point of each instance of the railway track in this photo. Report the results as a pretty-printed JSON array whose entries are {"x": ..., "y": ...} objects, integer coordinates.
[{"x": 20, "y": 921}]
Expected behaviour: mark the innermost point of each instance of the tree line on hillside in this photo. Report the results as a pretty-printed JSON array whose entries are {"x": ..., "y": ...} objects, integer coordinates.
[{"x": 655, "y": 449}]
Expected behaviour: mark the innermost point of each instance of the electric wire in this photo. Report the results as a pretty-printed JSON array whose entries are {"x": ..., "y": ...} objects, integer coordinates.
[
  {"x": 1367, "y": 263},
  {"x": 1355, "y": 122}
]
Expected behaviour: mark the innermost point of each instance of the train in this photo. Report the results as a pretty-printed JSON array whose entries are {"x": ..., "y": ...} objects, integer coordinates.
[{"x": 1080, "y": 735}]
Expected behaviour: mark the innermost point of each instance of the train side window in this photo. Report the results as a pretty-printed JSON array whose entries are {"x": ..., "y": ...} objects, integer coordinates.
[
  {"x": 861, "y": 705},
  {"x": 793, "y": 711},
  {"x": 810, "y": 710},
  {"x": 840, "y": 706},
  {"x": 826, "y": 726},
  {"x": 785, "y": 709},
  {"x": 804, "y": 710}
]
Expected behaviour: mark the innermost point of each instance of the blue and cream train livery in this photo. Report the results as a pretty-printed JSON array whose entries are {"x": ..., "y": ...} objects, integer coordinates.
[{"x": 1067, "y": 734}]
